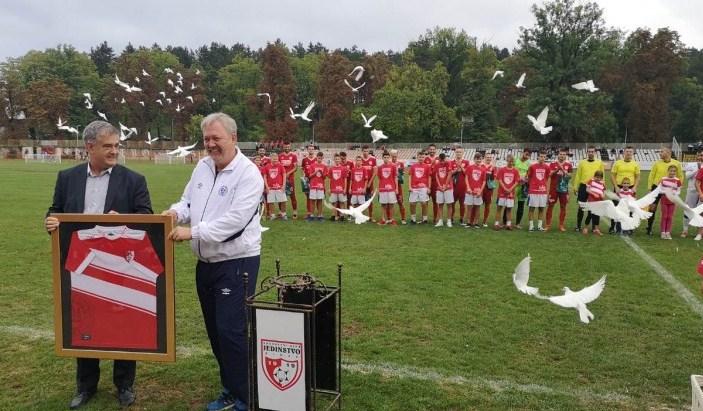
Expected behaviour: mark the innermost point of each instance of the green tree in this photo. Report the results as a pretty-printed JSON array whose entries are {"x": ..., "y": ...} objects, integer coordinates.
[
  {"x": 103, "y": 55},
  {"x": 47, "y": 100},
  {"x": 237, "y": 85},
  {"x": 410, "y": 106},
  {"x": 12, "y": 92},
  {"x": 334, "y": 98},
  {"x": 278, "y": 81},
  {"x": 687, "y": 110}
]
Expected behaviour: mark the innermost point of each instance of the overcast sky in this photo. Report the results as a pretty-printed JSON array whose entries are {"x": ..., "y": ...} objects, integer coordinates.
[{"x": 370, "y": 24}]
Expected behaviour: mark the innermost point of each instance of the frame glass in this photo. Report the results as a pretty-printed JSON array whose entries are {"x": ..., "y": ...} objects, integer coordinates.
[{"x": 114, "y": 287}]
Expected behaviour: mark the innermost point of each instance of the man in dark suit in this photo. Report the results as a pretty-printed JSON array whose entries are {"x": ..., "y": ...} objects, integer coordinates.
[{"x": 100, "y": 187}]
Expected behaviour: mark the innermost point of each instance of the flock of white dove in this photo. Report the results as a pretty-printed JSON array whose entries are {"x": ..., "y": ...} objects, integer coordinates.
[{"x": 128, "y": 132}]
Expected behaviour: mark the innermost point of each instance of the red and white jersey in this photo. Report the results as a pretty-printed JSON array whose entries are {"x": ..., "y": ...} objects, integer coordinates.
[
  {"x": 443, "y": 174},
  {"x": 264, "y": 161},
  {"x": 537, "y": 177},
  {"x": 420, "y": 174},
  {"x": 338, "y": 179},
  {"x": 387, "y": 178},
  {"x": 595, "y": 190},
  {"x": 289, "y": 161},
  {"x": 557, "y": 170},
  {"x": 510, "y": 177},
  {"x": 476, "y": 176},
  {"x": 275, "y": 176},
  {"x": 400, "y": 166},
  {"x": 316, "y": 172},
  {"x": 626, "y": 193},
  {"x": 359, "y": 178},
  {"x": 369, "y": 163},
  {"x": 430, "y": 160},
  {"x": 672, "y": 183},
  {"x": 460, "y": 165},
  {"x": 306, "y": 163},
  {"x": 113, "y": 288}
]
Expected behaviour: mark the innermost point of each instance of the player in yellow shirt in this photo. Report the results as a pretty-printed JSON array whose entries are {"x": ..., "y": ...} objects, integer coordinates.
[
  {"x": 585, "y": 171},
  {"x": 660, "y": 170},
  {"x": 628, "y": 168}
]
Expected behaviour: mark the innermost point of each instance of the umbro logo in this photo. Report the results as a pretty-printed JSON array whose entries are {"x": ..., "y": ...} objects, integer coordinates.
[{"x": 226, "y": 291}]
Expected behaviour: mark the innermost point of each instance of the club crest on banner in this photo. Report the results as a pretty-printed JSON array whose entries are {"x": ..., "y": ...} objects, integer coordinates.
[{"x": 282, "y": 362}]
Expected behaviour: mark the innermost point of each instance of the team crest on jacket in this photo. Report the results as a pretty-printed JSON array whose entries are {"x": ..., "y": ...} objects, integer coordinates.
[
  {"x": 336, "y": 174},
  {"x": 539, "y": 174},
  {"x": 282, "y": 362},
  {"x": 386, "y": 172},
  {"x": 223, "y": 191}
]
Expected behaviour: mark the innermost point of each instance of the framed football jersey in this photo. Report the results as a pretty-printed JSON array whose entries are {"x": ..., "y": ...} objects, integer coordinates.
[{"x": 114, "y": 287}]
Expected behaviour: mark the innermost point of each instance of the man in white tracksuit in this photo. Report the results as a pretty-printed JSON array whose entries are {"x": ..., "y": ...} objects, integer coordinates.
[{"x": 221, "y": 203}]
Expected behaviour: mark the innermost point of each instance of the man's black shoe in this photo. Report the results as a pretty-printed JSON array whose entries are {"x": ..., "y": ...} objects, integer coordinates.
[
  {"x": 125, "y": 396},
  {"x": 81, "y": 399}
]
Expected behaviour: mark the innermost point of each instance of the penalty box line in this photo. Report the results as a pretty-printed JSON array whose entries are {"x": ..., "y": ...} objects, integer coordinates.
[
  {"x": 691, "y": 300},
  {"x": 384, "y": 370}
]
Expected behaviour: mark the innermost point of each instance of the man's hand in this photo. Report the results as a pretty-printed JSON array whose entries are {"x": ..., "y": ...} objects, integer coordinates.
[
  {"x": 180, "y": 234},
  {"x": 51, "y": 223},
  {"x": 172, "y": 213},
  {"x": 112, "y": 212}
]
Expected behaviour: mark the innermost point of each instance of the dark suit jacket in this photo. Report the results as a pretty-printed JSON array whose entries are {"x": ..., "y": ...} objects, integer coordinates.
[{"x": 126, "y": 193}]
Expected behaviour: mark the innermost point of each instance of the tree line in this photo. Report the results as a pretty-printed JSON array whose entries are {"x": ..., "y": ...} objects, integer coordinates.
[{"x": 439, "y": 88}]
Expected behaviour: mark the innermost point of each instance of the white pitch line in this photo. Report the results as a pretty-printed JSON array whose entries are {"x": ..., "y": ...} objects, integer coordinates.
[
  {"x": 693, "y": 302},
  {"x": 384, "y": 369}
]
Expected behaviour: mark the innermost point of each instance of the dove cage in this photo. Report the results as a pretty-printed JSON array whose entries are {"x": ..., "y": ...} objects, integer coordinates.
[{"x": 295, "y": 354}]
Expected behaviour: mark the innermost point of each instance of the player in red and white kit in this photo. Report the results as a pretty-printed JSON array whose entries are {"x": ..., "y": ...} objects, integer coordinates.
[
  {"x": 349, "y": 164},
  {"x": 274, "y": 183},
  {"x": 387, "y": 188},
  {"x": 358, "y": 183},
  {"x": 305, "y": 165},
  {"x": 475, "y": 183},
  {"x": 317, "y": 172},
  {"x": 490, "y": 169},
  {"x": 261, "y": 153},
  {"x": 369, "y": 163},
  {"x": 263, "y": 208},
  {"x": 445, "y": 189},
  {"x": 290, "y": 163},
  {"x": 459, "y": 178},
  {"x": 420, "y": 175},
  {"x": 338, "y": 178},
  {"x": 537, "y": 180},
  {"x": 560, "y": 174},
  {"x": 508, "y": 178},
  {"x": 431, "y": 159},
  {"x": 401, "y": 173}
]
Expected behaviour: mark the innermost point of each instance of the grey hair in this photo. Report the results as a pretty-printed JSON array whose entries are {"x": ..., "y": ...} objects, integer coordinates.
[
  {"x": 98, "y": 128},
  {"x": 227, "y": 122}
]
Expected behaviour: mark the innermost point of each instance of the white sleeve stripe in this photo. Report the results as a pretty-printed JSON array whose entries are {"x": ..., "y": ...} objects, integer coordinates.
[
  {"x": 111, "y": 262},
  {"x": 114, "y": 293}
]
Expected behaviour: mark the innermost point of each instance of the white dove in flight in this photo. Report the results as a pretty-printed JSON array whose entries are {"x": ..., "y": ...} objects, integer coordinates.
[
  {"x": 377, "y": 135},
  {"x": 145, "y": 74},
  {"x": 87, "y": 95},
  {"x": 168, "y": 70},
  {"x": 522, "y": 275},
  {"x": 71, "y": 130},
  {"x": 305, "y": 113},
  {"x": 693, "y": 214},
  {"x": 356, "y": 212},
  {"x": 60, "y": 123},
  {"x": 192, "y": 86},
  {"x": 586, "y": 85},
  {"x": 126, "y": 129},
  {"x": 178, "y": 108},
  {"x": 181, "y": 149},
  {"x": 354, "y": 89},
  {"x": 102, "y": 115},
  {"x": 178, "y": 90},
  {"x": 150, "y": 140},
  {"x": 500, "y": 73},
  {"x": 121, "y": 83},
  {"x": 160, "y": 102},
  {"x": 170, "y": 82},
  {"x": 123, "y": 101},
  {"x": 540, "y": 122},
  {"x": 619, "y": 213},
  {"x": 579, "y": 299},
  {"x": 88, "y": 104},
  {"x": 190, "y": 98},
  {"x": 163, "y": 94},
  {"x": 168, "y": 100},
  {"x": 133, "y": 88},
  {"x": 636, "y": 206},
  {"x": 179, "y": 75},
  {"x": 367, "y": 122},
  {"x": 142, "y": 103},
  {"x": 197, "y": 72},
  {"x": 137, "y": 79},
  {"x": 264, "y": 95},
  {"x": 520, "y": 81},
  {"x": 359, "y": 70}
]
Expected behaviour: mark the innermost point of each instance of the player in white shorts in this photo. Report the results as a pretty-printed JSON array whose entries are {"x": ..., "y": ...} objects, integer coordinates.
[
  {"x": 538, "y": 194},
  {"x": 445, "y": 189},
  {"x": 420, "y": 175}
]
